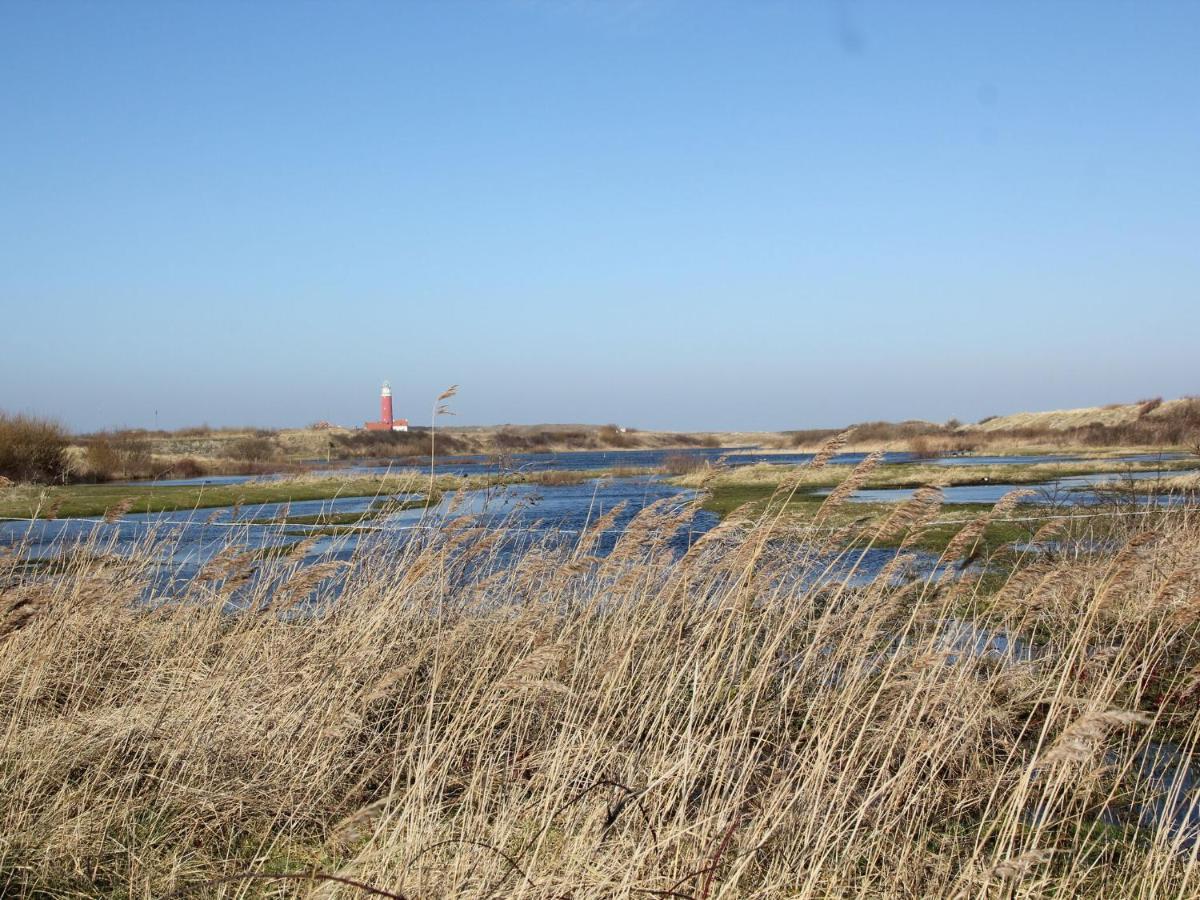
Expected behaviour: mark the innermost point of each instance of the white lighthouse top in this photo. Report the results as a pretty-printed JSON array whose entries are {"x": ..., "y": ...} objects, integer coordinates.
[{"x": 387, "y": 389}]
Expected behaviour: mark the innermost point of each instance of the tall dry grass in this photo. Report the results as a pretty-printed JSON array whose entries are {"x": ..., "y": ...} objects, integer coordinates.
[{"x": 451, "y": 715}]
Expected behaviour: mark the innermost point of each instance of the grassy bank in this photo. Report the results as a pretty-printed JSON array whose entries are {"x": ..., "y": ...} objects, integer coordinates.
[
  {"x": 1179, "y": 484},
  {"x": 95, "y": 500},
  {"x": 801, "y": 510},
  {"x": 456, "y": 721},
  {"x": 87, "y": 500}
]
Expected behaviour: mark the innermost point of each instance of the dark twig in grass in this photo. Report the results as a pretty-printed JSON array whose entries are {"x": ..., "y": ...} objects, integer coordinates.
[
  {"x": 715, "y": 861},
  {"x": 290, "y": 876},
  {"x": 483, "y": 844}
]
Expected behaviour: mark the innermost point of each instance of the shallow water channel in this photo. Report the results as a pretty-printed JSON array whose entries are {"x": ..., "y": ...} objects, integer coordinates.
[{"x": 537, "y": 510}]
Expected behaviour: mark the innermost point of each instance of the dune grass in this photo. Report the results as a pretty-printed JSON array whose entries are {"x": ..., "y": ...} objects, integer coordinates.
[
  {"x": 465, "y": 713},
  {"x": 764, "y": 476}
]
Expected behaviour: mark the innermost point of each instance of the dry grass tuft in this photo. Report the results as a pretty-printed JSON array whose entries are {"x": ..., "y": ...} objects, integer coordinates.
[{"x": 473, "y": 712}]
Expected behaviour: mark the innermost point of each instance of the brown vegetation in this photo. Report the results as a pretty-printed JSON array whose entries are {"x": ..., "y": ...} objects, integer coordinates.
[
  {"x": 254, "y": 448},
  {"x": 33, "y": 449},
  {"x": 1154, "y": 425},
  {"x": 391, "y": 444},
  {"x": 738, "y": 722},
  {"x": 683, "y": 463},
  {"x": 1150, "y": 423}
]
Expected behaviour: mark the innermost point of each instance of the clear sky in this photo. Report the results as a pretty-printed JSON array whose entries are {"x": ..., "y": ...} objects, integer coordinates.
[{"x": 667, "y": 213}]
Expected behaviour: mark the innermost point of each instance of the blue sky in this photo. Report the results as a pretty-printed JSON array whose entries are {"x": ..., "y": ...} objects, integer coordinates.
[{"x": 667, "y": 213}]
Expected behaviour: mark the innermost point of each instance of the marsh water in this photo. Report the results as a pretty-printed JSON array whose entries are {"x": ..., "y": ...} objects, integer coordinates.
[
  {"x": 533, "y": 514},
  {"x": 529, "y": 511},
  {"x": 594, "y": 460}
]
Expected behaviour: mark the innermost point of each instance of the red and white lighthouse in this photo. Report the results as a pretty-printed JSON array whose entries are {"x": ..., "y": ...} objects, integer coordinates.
[
  {"x": 386, "y": 421},
  {"x": 385, "y": 405}
]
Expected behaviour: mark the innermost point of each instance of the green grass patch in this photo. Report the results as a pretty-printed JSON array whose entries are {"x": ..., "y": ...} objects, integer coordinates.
[
  {"x": 87, "y": 500},
  {"x": 723, "y": 499}
]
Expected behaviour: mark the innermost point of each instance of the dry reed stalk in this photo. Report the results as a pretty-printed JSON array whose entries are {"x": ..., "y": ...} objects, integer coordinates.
[
  {"x": 1120, "y": 573},
  {"x": 301, "y": 548},
  {"x": 1017, "y": 867},
  {"x": 117, "y": 511},
  {"x": 1051, "y": 529},
  {"x": 911, "y": 515},
  {"x": 358, "y": 825},
  {"x": 849, "y": 486},
  {"x": 301, "y": 585},
  {"x": 969, "y": 535},
  {"x": 230, "y": 563},
  {"x": 594, "y": 533},
  {"x": 896, "y": 567},
  {"x": 18, "y": 608},
  {"x": 1179, "y": 588},
  {"x": 389, "y": 680},
  {"x": 637, "y": 533},
  {"x": 829, "y": 449},
  {"x": 1080, "y": 739},
  {"x": 772, "y": 735}
]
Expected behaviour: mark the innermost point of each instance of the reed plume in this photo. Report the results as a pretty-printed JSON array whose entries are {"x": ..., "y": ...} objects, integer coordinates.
[{"x": 475, "y": 710}]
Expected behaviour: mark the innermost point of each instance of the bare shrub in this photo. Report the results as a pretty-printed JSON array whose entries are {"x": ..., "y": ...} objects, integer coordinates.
[
  {"x": 33, "y": 449},
  {"x": 561, "y": 477},
  {"x": 683, "y": 463},
  {"x": 253, "y": 449},
  {"x": 188, "y": 467},
  {"x": 613, "y": 436},
  {"x": 1145, "y": 407},
  {"x": 101, "y": 458},
  {"x": 811, "y": 437},
  {"x": 413, "y": 443},
  {"x": 126, "y": 453},
  {"x": 922, "y": 447},
  {"x": 882, "y": 432}
]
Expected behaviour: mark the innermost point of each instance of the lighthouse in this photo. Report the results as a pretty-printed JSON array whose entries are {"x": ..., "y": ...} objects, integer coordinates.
[
  {"x": 387, "y": 422},
  {"x": 385, "y": 404}
]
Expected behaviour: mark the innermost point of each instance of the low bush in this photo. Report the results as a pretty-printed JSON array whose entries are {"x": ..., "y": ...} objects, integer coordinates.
[
  {"x": 188, "y": 467},
  {"x": 895, "y": 431},
  {"x": 33, "y": 449},
  {"x": 253, "y": 449},
  {"x": 614, "y": 436},
  {"x": 683, "y": 463},
  {"x": 1145, "y": 407},
  {"x": 561, "y": 477},
  {"x": 922, "y": 448},
  {"x": 109, "y": 455},
  {"x": 810, "y": 437},
  {"x": 394, "y": 444}
]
